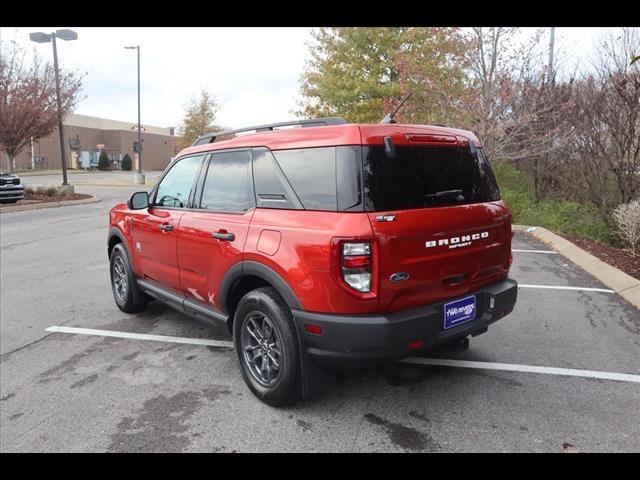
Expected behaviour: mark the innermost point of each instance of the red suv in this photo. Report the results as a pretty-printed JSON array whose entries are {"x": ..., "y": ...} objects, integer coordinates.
[{"x": 328, "y": 245}]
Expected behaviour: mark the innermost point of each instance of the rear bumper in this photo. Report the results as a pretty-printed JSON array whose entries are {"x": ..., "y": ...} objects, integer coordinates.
[{"x": 366, "y": 339}]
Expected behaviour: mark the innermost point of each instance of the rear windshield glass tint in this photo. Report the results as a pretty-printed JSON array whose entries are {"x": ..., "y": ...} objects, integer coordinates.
[{"x": 422, "y": 177}]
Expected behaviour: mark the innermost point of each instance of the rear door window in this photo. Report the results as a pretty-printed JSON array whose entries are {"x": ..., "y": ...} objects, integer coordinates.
[
  {"x": 422, "y": 177},
  {"x": 227, "y": 186}
]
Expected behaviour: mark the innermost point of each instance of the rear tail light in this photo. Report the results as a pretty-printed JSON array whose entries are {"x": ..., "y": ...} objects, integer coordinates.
[{"x": 354, "y": 265}]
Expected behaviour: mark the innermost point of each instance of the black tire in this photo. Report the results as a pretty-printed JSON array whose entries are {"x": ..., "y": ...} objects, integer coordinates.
[
  {"x": 130, "y": 299},
  {"x": 9, "y": 201},
  {"x": 267, "y": 302}
]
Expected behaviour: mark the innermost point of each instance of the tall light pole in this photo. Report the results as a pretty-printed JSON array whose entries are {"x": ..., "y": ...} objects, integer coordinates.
[
  {"x": 551, "y": 46},
  {"x": 40, "y": 37},
  {"x": 139, "y": 176}
]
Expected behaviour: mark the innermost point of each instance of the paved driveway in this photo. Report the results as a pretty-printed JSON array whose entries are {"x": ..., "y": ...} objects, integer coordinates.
[{"x": 79, "y": 392}]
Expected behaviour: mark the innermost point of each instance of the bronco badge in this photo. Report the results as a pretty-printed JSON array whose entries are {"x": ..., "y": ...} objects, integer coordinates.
[{"x": 456, "y": 242}]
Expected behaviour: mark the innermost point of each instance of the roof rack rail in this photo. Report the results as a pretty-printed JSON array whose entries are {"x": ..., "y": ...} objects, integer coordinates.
[{"x": 311, "y": 122}]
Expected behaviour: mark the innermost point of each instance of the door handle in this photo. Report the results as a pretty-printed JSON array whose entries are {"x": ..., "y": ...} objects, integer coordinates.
[
  {"x": 224, "y": 235},
  {"x": 165, "y": 227}
]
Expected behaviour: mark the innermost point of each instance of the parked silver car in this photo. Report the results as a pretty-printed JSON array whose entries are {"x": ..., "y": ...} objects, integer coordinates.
[{"x": 11, "y": 189}]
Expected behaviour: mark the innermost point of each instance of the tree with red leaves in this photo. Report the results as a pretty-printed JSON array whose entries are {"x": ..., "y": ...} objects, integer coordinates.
[{"x": 28, "y": 106}]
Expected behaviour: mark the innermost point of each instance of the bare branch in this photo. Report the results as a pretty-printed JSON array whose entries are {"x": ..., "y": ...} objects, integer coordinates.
[{"x": 28, "y": 105}]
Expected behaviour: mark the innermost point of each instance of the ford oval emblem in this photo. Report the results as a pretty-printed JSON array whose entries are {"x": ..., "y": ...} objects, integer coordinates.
[{"x": 399, "y": 277}]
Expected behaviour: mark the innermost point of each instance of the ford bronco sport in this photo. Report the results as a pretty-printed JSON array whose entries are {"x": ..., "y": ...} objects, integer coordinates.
[{"x": 326, "y": 245}]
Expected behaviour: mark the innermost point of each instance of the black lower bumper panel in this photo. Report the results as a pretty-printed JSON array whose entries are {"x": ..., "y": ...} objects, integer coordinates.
[{"x": 354, "y": 340}]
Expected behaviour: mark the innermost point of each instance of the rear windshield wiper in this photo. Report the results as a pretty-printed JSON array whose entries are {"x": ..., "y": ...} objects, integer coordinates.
[{"x": 447, "y": 193}]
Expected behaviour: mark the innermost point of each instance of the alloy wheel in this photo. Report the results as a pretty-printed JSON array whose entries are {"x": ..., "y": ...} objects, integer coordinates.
[
  {"x": 262, "y": 348},
  {"x": 120, "y": 281}
]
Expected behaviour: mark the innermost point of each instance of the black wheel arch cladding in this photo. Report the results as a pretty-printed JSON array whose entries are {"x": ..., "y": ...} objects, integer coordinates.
[{"x": 259, "y": 270}]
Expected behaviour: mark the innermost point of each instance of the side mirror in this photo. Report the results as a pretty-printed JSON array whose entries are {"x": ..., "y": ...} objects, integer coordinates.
[
  {"x": 138, "y": 201},
  {"x": 389, "y": 148}
]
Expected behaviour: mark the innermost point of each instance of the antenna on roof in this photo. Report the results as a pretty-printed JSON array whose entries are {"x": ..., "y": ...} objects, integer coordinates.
[{"x": 389, "y": 117}]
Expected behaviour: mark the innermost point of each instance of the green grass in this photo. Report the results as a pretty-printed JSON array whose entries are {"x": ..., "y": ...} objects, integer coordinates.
[{"x": 561, "y": 216}]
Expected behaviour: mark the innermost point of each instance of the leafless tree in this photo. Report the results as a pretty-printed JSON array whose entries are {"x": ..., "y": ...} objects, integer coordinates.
[
  {"x": 603, "y": 158},
  {"x": 618, "y": 109},
  {"x": 509, "y": 102},
  {"x": 28, "y": 98}
]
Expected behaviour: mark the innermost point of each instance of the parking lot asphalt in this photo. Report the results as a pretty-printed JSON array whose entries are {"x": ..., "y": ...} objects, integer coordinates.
[{"x": 67, "y": 392}]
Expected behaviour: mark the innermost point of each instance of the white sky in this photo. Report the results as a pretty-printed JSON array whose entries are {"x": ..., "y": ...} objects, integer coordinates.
[{"x": 253, "y": 72}]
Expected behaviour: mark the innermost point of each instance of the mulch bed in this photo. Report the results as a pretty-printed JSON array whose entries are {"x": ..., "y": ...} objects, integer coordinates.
[
  {"x": 55, "y": 198},
  {"x": 30, "y": 198},
  {"x": 621, "y": 259}
]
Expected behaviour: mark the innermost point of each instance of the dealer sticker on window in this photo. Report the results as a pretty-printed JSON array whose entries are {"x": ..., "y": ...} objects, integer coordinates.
[{"x": 460, "y": 311}]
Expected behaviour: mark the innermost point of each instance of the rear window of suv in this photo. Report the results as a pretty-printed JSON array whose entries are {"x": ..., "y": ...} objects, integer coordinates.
[{"x": 422, "y": 177}]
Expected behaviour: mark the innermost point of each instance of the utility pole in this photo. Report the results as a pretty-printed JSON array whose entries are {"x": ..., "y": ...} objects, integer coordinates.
[
  {"x": 33, "y": 156},
  {"x": 538, "y": 162},
  {"x": 551, "y": 42}
]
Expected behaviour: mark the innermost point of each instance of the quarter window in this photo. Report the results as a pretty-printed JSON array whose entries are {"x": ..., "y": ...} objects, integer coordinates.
[
  {"x": 349, "y": 178},
  {"x": 312, "y": 174},
  {"x": 272, "y": 188}
]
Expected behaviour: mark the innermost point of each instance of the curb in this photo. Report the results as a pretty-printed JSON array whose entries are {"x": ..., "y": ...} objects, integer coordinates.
[
  {"x": 39, "y": 206},
  {"x": 115, "y": 184},
  {"x": 623, "y": 284},
  {"x": 98, "y": 184},
  {"x": 42, "y": 174}
]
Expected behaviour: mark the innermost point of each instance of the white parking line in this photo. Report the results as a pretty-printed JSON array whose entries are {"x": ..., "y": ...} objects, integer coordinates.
[
  {"x": 532, "y": 251},
  {"x": 570, "y": 372},
  {"x": 141, "y": 336},
  {"x": 558, "y": 287},
  {"x": 509, "y": 367}
]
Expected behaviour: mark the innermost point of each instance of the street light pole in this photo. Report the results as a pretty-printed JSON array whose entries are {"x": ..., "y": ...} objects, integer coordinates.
[
  {"x": 139, "y": 175},
  {"x": 57, "y": 75},
  {"x": 40, "y": 37},
  {"x": 139, "y": 126}
]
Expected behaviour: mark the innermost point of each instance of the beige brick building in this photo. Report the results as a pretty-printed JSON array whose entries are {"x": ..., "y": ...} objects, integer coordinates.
[{"x": 93, "y": 135}]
